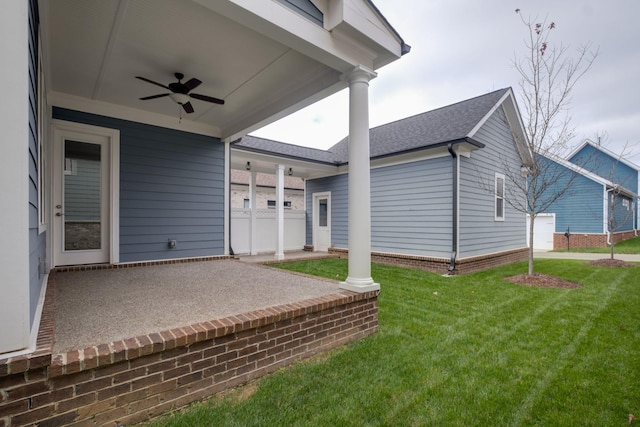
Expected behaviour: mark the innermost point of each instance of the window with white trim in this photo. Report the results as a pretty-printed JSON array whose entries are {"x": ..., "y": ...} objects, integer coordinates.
[{"x": 499, "y": 197}]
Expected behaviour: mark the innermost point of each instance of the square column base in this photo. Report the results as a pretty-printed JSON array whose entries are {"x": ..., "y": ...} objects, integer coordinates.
[{"x": 359, "y": 285}]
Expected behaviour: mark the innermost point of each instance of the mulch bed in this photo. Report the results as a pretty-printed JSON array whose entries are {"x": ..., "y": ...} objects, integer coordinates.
[
  {"x": 547, "y": 281},
  {"x": 608, "y": 262},
  {"x": 542, "y": 281}
]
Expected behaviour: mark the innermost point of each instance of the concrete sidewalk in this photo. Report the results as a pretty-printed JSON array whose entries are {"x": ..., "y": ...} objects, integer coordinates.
[{"x": 584, "y": 256}]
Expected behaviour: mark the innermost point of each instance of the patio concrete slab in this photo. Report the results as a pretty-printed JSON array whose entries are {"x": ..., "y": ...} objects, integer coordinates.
[{"x": 101, "y": 306}]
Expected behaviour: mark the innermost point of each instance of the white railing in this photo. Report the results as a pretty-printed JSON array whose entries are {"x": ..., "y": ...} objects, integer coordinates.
[{"x": 265, "y": 236}]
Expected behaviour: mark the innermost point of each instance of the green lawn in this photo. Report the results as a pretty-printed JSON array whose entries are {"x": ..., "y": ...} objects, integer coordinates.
[
  {"x": 629, "y": 246},
  {"x": 472, "y": 350}
]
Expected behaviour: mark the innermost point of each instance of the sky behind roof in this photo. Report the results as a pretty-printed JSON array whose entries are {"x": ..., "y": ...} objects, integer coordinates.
[{"x": 465, "y": 48}]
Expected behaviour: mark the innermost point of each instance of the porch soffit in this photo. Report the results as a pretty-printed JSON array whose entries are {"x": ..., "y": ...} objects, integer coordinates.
[{"x": 264, "y": 60}]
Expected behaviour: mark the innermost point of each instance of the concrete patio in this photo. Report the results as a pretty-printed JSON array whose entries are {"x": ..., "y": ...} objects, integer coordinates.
[{"x": 101, "y": 306}]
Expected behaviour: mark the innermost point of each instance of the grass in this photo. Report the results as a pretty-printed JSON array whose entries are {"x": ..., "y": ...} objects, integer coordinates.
[
  {"x": 472, "y": 350},
  {"x": 629, "y": 246}
]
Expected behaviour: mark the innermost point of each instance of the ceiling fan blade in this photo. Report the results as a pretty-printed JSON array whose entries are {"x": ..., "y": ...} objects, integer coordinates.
[
  {"x": 154, "y": 96},
  {"x": 152, "y": 82},
  {"x": 192, "y": 84},
  {"x": 207, "y": 98},
  {"x": 188, "y": 107}
]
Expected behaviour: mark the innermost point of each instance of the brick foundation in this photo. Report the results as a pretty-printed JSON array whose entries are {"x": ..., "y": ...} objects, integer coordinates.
[
  {"x": 586, "y": 240},
  {"x": 132, "y": 380},
  {"x": 441, "y": 265}
]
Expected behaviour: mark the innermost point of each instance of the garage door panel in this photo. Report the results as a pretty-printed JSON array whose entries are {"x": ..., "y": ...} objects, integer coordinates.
[{"x": 544, "y": 228}]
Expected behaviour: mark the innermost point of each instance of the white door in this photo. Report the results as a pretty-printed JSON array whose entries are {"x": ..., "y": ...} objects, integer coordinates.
[
  {"x": 81, "y": 198},
  {"x": 321, "y": 221},
  {"x": 543, "y": 230}
]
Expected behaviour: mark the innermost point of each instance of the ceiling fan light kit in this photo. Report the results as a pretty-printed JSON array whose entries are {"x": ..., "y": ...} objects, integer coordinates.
[{"x": 180, "y": 92}]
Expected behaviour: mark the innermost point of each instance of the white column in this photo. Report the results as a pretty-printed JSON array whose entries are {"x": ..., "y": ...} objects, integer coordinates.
[
  {"x": 14, "y": 177},
  {"x": 253, "y": 228},
  {"x": 227, "y": 201},
  {"x": 279, "y": 212},
  {"x": 359, "y": 275}
]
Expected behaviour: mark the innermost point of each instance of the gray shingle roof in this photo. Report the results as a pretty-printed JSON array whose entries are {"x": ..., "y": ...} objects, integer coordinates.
[
  {"x": 451, "y": 123},
  {"x": 268, "y": 146},
  {"x": 433, "y": 128}
]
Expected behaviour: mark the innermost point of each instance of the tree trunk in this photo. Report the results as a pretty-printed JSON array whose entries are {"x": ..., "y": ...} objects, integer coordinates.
[{"x": 531, "y": 220}]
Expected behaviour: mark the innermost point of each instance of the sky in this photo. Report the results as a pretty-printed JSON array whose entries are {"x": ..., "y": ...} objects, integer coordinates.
[{"x": 465, "y": 48}]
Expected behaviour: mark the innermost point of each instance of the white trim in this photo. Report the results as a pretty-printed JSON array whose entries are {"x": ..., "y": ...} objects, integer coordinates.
[
  {"x": 496, "y": 197},
  {"x": 113, "y": 136}
]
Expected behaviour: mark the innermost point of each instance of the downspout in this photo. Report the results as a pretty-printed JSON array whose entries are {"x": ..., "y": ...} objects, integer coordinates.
[{"x": 454, "y": 209}]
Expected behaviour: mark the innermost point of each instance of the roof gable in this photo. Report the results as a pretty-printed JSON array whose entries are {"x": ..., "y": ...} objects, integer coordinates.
[{"x": 455, "y": 122}]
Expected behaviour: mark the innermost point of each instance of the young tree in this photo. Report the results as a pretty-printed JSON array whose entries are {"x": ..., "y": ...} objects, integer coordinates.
[{"x": 548, "y": 75}]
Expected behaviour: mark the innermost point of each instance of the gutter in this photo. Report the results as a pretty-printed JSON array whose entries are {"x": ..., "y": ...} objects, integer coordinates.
[{"x": 454, "y": 209}]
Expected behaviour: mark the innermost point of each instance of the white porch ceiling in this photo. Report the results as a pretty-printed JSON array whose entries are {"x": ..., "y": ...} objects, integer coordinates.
[{"x": 93, "y": 49}]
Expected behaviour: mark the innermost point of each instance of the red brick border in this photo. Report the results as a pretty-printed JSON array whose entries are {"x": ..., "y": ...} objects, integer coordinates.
[
  {"x": 441, "y": 265},
  {"x": 589, "y": 240},
  {"x": 134, "y": 379}
]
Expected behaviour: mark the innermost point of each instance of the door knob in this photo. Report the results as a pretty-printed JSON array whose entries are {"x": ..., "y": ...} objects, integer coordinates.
[{"x": 58, "y": 213}]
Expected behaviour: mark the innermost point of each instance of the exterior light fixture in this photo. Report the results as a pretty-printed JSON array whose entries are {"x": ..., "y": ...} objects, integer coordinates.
[
  {"x": 248, "y": 167},
  {"x": 290, "y": 172}
]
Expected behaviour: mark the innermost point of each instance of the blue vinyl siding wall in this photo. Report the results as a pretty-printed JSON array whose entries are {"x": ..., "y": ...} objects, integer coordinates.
[
  {"x": 480, "y": 233},
  {"x": 37, "y": 240},
  {"x": 581, "y": 207},
  {"x": 623, "y": 217},
  {"x": 410, "y": 208},
  {"x": 171, "y": 187},
  {"x": 607, "y": 167}
]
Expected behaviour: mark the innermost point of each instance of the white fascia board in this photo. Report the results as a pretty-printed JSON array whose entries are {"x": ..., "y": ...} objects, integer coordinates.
[
  {"x": 264, "y": 163},
  {"x": 365, "y": 25},
  {"x": 57, "y": 99},
  {"x": 279, "y": 23}
]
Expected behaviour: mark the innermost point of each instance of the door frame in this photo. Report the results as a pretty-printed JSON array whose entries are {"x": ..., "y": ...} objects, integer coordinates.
[
  {"x": 63, "y": 129},
  {"x": 316, "y": 217}
]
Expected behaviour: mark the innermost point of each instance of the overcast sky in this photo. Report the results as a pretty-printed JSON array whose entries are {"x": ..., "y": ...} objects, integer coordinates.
[{"x": 464, "y": 48}]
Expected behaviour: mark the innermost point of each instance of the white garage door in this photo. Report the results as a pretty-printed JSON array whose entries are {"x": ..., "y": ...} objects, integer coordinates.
[{"x": 544, "y": 227}]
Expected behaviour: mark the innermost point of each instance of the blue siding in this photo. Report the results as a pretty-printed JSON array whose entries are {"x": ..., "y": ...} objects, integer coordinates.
[
  {"x": 171, "y": 187},
  {"x": 37, "y": 241},
  {"x": 306, "y": 9},
  {"x": 607, "y": 167},
  {"x": 410, "y": 208},
  {"x": 581, "y": 206},
  {"x": 620, "y": 217},
  {"x": 480, "y": 233}
]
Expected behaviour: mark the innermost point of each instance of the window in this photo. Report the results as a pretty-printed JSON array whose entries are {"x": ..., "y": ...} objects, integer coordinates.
[
  {"x": 499, "y": 204},
  {"x": 272, "y": 204},
  {"x": 323, "y": 206},
  {"x": 247, "y": 204}
]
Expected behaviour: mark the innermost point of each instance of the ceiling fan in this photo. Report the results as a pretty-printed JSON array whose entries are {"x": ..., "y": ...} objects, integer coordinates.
[{"x": 181, "y": 92}]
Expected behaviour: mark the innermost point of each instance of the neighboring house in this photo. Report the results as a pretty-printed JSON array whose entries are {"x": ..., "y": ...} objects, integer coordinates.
[
  {"x": 265, "y": 191},
  {"x": 602, "y": 194},
  {"x": 163, "y": 174},
  {"x": 438, "y": 186}
]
